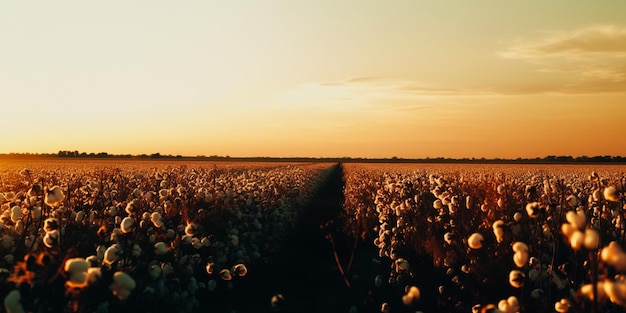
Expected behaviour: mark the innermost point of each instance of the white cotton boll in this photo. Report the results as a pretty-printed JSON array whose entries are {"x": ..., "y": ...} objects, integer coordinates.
[
  {"x": 225, "y": 274},
  {"x": 592, "y": 239},
  {"x": 533, "y": 209},
  {"x": 116, "y": 234},
  {"x": 155, "y": 271},
  {"x": 611, "y": 194},
  {"x": 475, "y": 241},
  {"x": 239, "y": 270},
  {"x": 613, "y": 255},
  {"x": 79, "y": 218},
  {"x": 170, "y": 233},
  {"x": 533, "y": 274},
  {"x": 563, "y": 306},
  {"x": 212, "y": 285},
  {"x": 9, "y": 259},
  {"x": 77, "y": 280},
  {"x": 572, "y": 201},
  {"x": 16, "y": 213},
  {"x": 597, "y": 195},
  {"x": 520, "y": 258},
  {"x": 516, "y": 279},
  {"x": 156, "y": 219},
  {"x": 112, "y": 254},
  {"x": 93, "y": 275},
  {"x": 191, "y": 229},
  {"x": 616, "y": 291},
  {"x": 577, "y": 240},
  {"x": 385, "y": 308},
  {"x": 578, "y": 219},
  {"x": 12, "y": 302},
  {"x": 498, "y": 231},
  {"x": 568, "y": 229},
  {"x": 186, "y": 239},
  {"x": 51, "y": 238},
  {"x": 438, "y": 204},
  {"x": 136, "y": 252},
  {"x": 517, "y": 216},
  {"x": 160, "y": 248},
  {"x": 411, "y": 296},
  {"x": 277, "y": 301},
  {"x": 500, "y": 203},
  {"x": 401, "y": 265},
  {"x": 19, "y": 227},
  {"x": 54, "y": 196},
  {"x": 122, "y": 285},
  {"x": 501, "y": 189},
  {"x": 74, "y": 265},
  {"x": 447, "y": 237},
  {"x": 587, "y": 290},
  {"x": 234, "y": 240},
  {"x": 519, "y": 246},
  {"x": 127, "y": 225}
]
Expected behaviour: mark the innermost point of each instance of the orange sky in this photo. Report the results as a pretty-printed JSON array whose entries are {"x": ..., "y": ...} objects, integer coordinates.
[{"x": 323, "y": 78}]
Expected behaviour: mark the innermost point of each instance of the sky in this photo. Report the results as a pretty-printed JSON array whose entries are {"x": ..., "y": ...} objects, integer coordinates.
[{"x": 314, "y": 78}]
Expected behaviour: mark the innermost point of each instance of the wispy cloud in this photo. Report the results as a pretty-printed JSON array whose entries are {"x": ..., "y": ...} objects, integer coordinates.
[
  {"x": 585, "y": 60},
  {"x": 589, "y": 42}
]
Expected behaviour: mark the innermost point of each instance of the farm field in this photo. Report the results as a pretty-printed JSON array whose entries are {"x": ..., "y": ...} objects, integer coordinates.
[{"x": 178, "y": 236}]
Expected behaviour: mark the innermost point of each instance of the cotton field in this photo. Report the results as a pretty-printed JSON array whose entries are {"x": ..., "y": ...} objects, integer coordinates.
[
  {"x": 100, "y": 236},
  {"x": 501, "y": 238},
  {"x": 153, "y": 236}
]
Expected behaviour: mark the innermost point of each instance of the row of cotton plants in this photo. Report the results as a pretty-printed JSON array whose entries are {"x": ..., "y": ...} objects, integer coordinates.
[
  {"x": 141, "y": 238},
  {"x": 516, "y": 239}
]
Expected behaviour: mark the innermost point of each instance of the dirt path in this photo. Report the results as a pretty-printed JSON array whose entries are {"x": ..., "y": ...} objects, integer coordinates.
[{"x": 306, "y": 274}]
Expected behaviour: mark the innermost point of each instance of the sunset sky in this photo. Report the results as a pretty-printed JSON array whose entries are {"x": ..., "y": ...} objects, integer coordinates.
[{"x": 318, "y": 78}]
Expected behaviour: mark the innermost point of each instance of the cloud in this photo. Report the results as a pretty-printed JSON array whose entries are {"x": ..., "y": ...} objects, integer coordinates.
[
  {"x": 607, "y": 40},
  {"x": 582, "y": 61}
]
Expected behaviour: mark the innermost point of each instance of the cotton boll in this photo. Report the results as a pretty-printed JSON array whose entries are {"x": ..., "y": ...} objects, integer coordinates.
[
  {"x": 51, "y": 239},
  {"x": 578, "y": 219},
  {"x": 212, "y": 285},
  {"x": 54, "y": 196},
  {"x": 155, "y": 271},
  {"x": 577, "y": 240},
  {"x": 385, "y": 308},
  {"x": 16, "y": 213},
  {"x": 516, "y": 279},
  {"x": 592, "y": 239},
  {"x": 517, "y": 216},
  {"x": 122, "y": 285},
  {"x": 563, "y": 306},
  {"x": 411, "y": 296},
  {"x": 74, "y": 265},
  {"x": 616, "y": 291},
  {"x": 498, "y": 230},
  {"x": 533, "y": 209},
  {"x": 156, "y": 219},
  {"x": 192, "y": 229},
  {"x": 401, "y": 265},
  {"x": 277, "y": 301},
  {"x": 568, "y": 229},
  {"x": 127, "y": 225},
  {"x": 225, "y": 274},
  {"x": 160, "y": 248},
  {"x": 93, "y": 275},
  {"x": 475, "y": 241},
  {"x": 611, "y": 194},
  {"x": 447, "y": 237},
  {"x": 19, "y": 227},
  {"x": 136, "y": 252},
  {"x": 520, "y": 258},
  {"x": 112, "y": 254},
  {"x": 239, "y": 270},
  {"x": 12, "y": 302}
]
